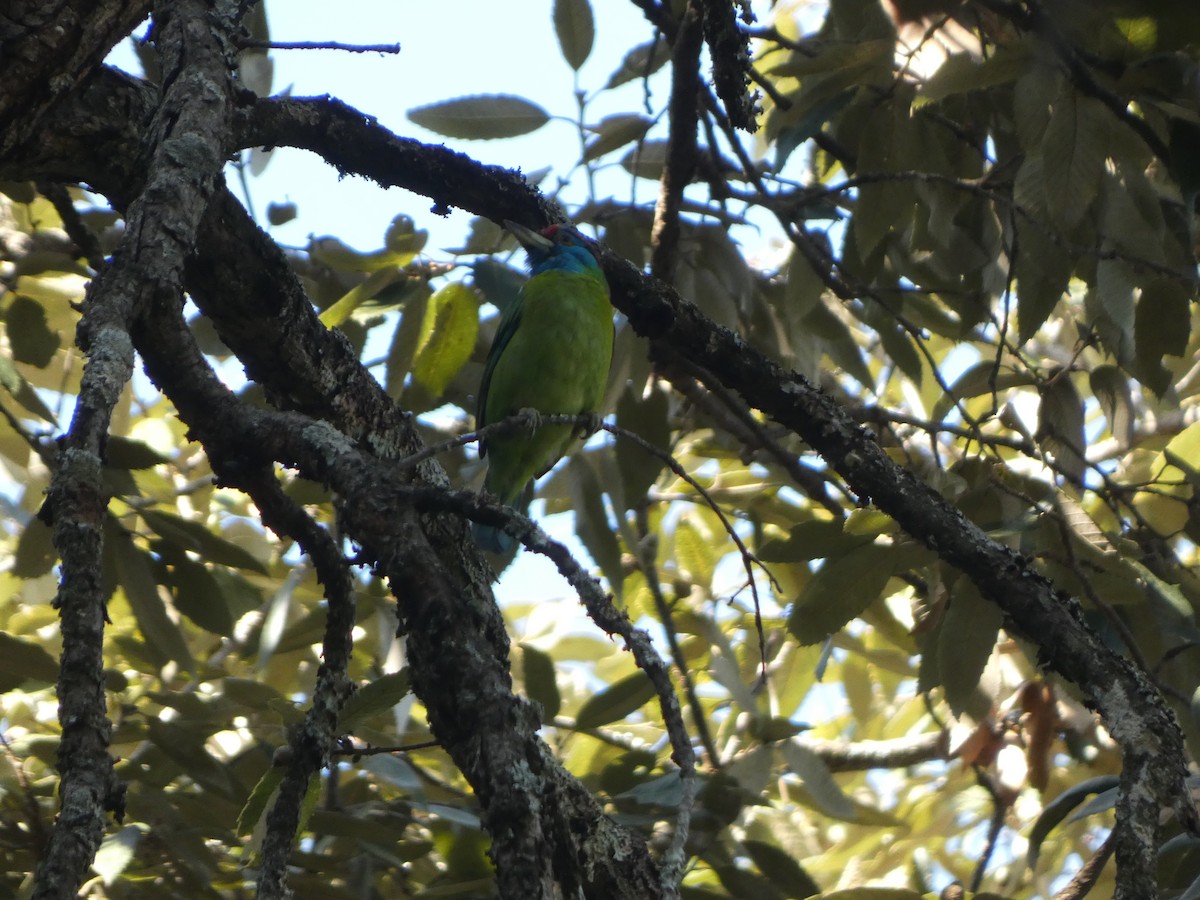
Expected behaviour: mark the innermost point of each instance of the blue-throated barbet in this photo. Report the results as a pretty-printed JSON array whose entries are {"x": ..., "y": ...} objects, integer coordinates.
[{"x": 551, "y": 354}]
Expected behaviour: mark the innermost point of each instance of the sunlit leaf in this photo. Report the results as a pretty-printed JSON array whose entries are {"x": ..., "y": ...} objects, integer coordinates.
[
  {"x": 841, "y": 589},
  {"x": 374, "y": 698},
  {"x": 615, "y": 702},
  {"x": 452, "y": 315}
]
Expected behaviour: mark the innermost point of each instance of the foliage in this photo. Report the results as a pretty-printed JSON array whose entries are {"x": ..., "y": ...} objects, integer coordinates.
[{"x": 981, "y": 245}]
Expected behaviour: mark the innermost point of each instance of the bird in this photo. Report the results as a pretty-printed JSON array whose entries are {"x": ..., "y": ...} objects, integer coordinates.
[{"x": 551, "y": 354}]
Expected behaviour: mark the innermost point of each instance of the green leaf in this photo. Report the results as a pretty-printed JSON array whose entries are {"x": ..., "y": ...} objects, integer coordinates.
[
  {"x": 30, "y": 337},
  {"x": 693, "y": 554},
  {"x": 575, "y": 29},
  {"x": 35, "y": 554},
  {"x": 23, "y": 661},
  {"x": 962, "y": 73},
  {"x": 979, "y": 380},
  {"x": 1073, "y": 151},
  {"x": 1162, "y": 327},
  {"x": 965, "y": 642},
  {"x": 22, "y": 391},
  {"x": 783, "y": 871},
  {"x": 483, "y": 117},
  {"x": 591, "y": 519},
  {"x": 1111, "y": 389},
  {"x": 540, "y": 681},
  {"x": 256, "y": 804},
  {"x": 1060, "y": 425},
  {"x": 135, "y": 575},
  {"x": 125, "y": 453},
  {"x": 646, "y": 416},
  {"x": 374, "y": 698},
  {"x": 818, "y": 781},
  {"x": 198, "y": 596},
  {"x": 452, "y": 315},
  {"x": 1058, "y": 809},
  {"x": 116, "y": 852},
  {"x": 184, "y": 744},
  {"x": 816, "y": 539},
  {"x": 405, "y": 341},
  {"x": 1113, "y": 294},
  {"x": 195, "y": 537},
  {"x": 616, "y": 702},
  {"x": 839, "y": 591},
  {"x": 500, "y": 284},
  {"x": 640, "y": 62},
  {"x": 614, "y": 132}
]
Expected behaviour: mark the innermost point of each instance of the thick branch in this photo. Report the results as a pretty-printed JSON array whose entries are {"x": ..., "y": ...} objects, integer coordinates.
[
  {"x": 187, "y": 136},
  {"x": 47, "y": 50},
  {"x": 546, "y": 828}
]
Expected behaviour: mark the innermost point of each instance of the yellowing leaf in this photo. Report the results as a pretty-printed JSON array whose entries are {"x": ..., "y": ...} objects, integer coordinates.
[
  {"x": 452, "y": 324},
  {"x": 345, "y": 306}
]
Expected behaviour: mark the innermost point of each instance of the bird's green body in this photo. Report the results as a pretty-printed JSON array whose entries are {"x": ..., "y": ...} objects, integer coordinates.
[{"x": 551, "y": 354}]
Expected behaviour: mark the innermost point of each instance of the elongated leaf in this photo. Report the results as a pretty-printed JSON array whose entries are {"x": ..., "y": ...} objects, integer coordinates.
[
  {"x": 615, "y": 132},
  {"x": 965, "y": 642},
  {"x": 576, "y": 30},
  {"x": 256, "y": 804},
  {"x": 22, "y": 661},
  {"x": 453, "y": 318},
  {"x": 483, "y": 117},
  {"x": 961, "y": 73},
  {"x": 1162, "y": 326},
  {"x": 840, "y": 591},
  {"x": 1073, "y": 150},
  {"x": 645, "y": 416},
  {"x": 591, "y": 518},
  {"x": 116, "y": 853},
  {"x": 22, "y": 391},
  {"x": 540, "y": 681},
  {"x": 193, "y": 536},
  {"x": 641, "y": 62},
  {"x": 345, "y": 306},
  {"x": 616, "y": 702},
  {"x": 377, "y": 697},
  {"x": 1059, "y": 808},
  {"x": 818, "y": 780},
  {"x": 783, "y": 871},
  {"x": 164, "y": 641}
]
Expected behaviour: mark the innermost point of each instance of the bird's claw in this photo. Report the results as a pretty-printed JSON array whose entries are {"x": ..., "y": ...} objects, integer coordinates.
[{"x": 590, "y": 425}]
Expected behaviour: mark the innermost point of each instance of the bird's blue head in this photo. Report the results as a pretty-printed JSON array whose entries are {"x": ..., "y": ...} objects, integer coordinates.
[{"x": 557, "y": 247}]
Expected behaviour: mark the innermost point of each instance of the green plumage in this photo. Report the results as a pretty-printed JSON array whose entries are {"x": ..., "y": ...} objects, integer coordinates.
[{"x": 552, "y": 354}]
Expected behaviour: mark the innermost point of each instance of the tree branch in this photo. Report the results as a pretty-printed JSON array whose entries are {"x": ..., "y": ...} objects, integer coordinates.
[{"x": 187, "y": 140}]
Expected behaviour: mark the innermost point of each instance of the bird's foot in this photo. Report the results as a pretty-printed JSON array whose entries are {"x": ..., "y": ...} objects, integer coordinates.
[
  {"x": 590, "y": 423},
  {"x": 532, "y": 418}
]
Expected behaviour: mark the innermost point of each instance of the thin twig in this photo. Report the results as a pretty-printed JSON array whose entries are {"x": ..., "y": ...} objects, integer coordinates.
[{"x": 318, "y": 45}]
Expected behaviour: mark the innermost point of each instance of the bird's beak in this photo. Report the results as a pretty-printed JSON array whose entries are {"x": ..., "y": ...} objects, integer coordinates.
[{"x": 530, "y": 239}]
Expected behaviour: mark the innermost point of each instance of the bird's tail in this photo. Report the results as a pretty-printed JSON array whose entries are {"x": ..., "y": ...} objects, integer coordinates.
[{"x": 491, "y": 538}]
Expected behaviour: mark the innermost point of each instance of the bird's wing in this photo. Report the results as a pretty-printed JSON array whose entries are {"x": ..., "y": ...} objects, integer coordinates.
[{"x": 510, "y": 321}]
